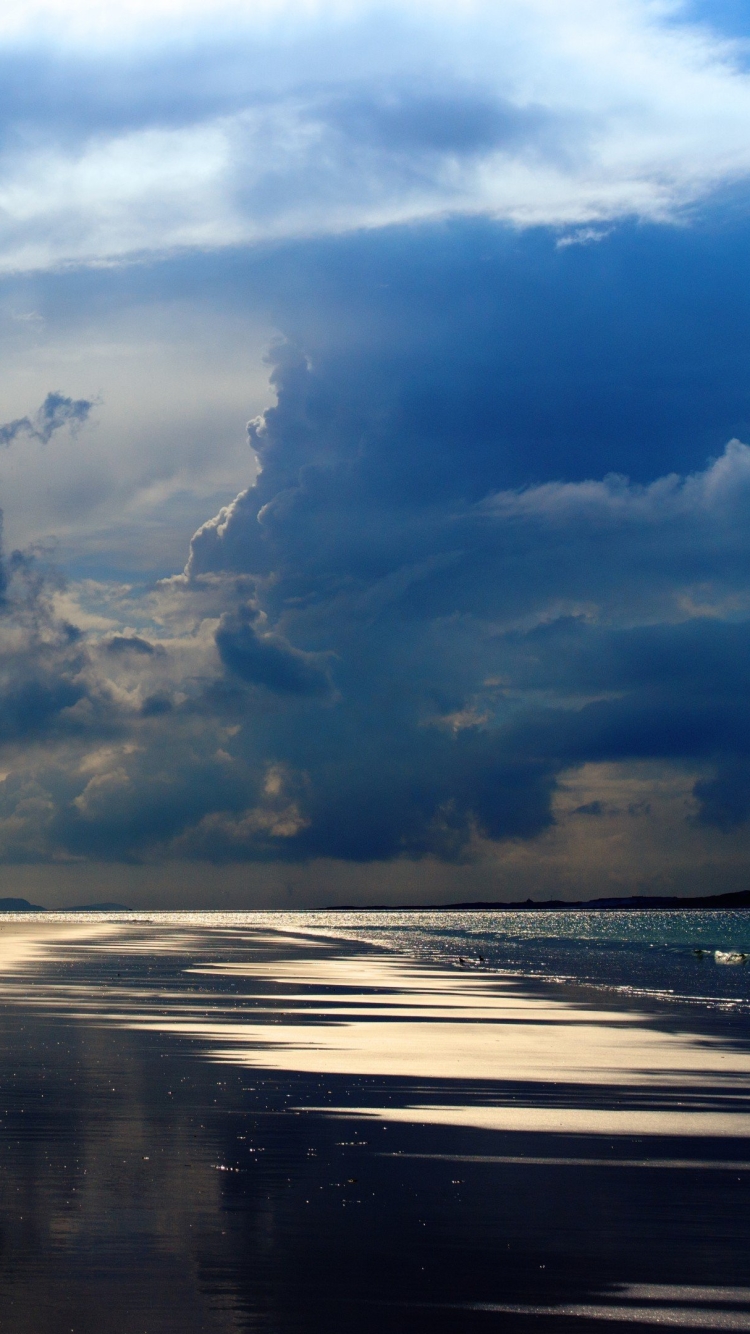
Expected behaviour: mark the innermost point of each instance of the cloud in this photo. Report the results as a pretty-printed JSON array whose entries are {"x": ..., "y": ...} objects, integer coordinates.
[
  {"x": 263, "y": 123},
  {"x": 622, "y": 633},
  {"x": 341, "y": 505},
  {"x": 724, "y": 800},
  {"x": 403, "y": 711},
  {"x": 496, "y": 537},
  {"x": 56, "y": 412},
  {"x": 131, "y": 644},
  {"x": 45, "y": 686},
  {"x": 266, "y": 659}
]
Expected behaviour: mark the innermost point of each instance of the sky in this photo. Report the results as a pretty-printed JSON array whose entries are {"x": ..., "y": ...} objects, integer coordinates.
[{"x": 374, "y": 450}]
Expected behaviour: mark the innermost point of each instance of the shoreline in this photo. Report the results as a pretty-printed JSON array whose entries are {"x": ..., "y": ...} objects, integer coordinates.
[
  {"x": 708, "y": 1010},
  {"x": 325, "y": 1004},
  {"x": 223, "y": 1128}
]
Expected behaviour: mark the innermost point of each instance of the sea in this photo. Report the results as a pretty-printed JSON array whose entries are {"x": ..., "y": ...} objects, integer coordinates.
[
  {"x": 687, "y": 956},
  {"x": 690, "y": 956},
  {"x": 151, "y": 1180}
]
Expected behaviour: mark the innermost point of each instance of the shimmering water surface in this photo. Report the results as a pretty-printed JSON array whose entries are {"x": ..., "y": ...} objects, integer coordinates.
[
  {"x": 686, "y": 955},
  {"x": 244, "y": 1123}
]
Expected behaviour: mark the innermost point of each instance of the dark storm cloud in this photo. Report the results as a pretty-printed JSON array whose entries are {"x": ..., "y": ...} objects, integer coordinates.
[
  {"x": 706, "y": 657},
  {"x": 154, "y": 705},
  {"x": 131, "y": 644},
  {"x": 491, "y": 358},
  {"x": 412, "y": 570},
  {"x": 404, "y": 795},
  {"x": 266, "y": 659},
  {"x": 43, "y": 685},
  {"x": 56, "y": 412},
  {"x": 498, "y": 533},
  {"x": 725, "y": 798}
]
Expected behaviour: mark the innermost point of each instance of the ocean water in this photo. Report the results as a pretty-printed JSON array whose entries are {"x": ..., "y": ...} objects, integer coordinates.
[
  {"x": 698, "y": 957},
  {"x": 162, "y": 1169},
  {"x": 701, "y": 958}
]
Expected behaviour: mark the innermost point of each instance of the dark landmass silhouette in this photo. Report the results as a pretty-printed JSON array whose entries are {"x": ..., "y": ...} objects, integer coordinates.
[
  {"x": 740, "y": 899},
  {"x": 23, "y": 905},
  {"x": 97, "y": 907}
]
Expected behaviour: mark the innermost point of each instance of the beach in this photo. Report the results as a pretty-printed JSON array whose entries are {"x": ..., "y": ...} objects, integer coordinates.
[{"x": 209, "y": 1124}]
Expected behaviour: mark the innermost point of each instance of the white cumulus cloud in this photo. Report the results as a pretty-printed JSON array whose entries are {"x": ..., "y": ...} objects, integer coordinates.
[{"x": 249, "y": 122}]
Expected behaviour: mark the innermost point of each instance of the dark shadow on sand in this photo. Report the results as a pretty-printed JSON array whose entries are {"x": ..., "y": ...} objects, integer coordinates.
[{"x": 144, "y": 1188}]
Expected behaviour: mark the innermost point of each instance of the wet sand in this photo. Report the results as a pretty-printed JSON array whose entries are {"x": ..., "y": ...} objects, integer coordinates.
[{"x": 210, "y": 1127}]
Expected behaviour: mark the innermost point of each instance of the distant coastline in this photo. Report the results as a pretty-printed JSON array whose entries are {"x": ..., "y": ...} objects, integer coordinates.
[
  {"x": 636, "y": 902},
  {"x": 740, "y": 899},
  {"x": 23, "y": 905}
]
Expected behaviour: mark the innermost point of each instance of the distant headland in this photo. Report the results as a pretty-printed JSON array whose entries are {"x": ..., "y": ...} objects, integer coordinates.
[
  {"x": 638, "y": 902},
  {"x": 741, "y": 899},
  {"x": 23, "y": 905}
]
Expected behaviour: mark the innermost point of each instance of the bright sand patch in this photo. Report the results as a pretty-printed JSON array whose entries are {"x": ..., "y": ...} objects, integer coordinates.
[
  {"x": 30, "y": 942},
  {"x": 373, "y": 1015},
  {"x": 463, "y": 1048}
]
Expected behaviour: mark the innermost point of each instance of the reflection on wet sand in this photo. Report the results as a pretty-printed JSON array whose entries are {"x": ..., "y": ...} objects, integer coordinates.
[
  {"x": 526, "y": 1062},
  {"x": 684, "y": 1307},
  {"x": 209, "y": 1127}
]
